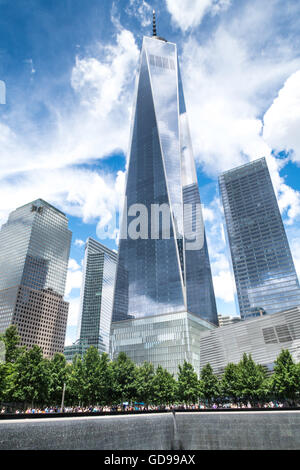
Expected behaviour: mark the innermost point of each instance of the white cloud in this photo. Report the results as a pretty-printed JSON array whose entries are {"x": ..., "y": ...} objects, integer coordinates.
[
  {"x": 103, "y": 84},
  {"x": 223, "y": 85},
  {"x": 282, "y": 120},
  {"x": 189, "y": 14},
  {"x": 224, "y": 286},
  {"x": 288, "y": 197},
  {"x": 79, "y": 242},
  {"x": 95, "y": 126},
  {"x": 82, "y": 193},
  {"x": 208, "y": 214},
  {"x": 141, "y": 10},
  {"x": 74, "y": 278},
  {"x": 74, "y": 308},
  {"x": 230, "y": 80},
  {"x": 73, "y": 265}
]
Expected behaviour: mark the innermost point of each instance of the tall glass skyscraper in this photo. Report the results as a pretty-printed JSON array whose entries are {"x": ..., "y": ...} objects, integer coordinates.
[
  {"x": 263, "y": 267},
  {"x": 166, "y": 268},
  {"x": 34, "y": 253},
  {"x": 99, "y": 272},
  {"x": 157, "y": 275}
]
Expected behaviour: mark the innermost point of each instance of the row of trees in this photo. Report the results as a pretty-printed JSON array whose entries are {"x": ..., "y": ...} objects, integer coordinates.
[{"x": 26, "y": 377}]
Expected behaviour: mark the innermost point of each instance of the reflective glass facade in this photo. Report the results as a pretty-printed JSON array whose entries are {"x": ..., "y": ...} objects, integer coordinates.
[
  {"x": 158, "y": 275},
  {"x": 34, "y": 254},
  {"x": 97, "y": 296},
  {"x": 263, "y": 267},
  {"x": 165, "y": 340}
]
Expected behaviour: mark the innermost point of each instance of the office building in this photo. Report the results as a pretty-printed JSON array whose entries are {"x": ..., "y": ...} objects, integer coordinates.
[
  {"x": 263, "y": 337},
  {"x": 34, "y": 253},
  {"x": 96, "y": 298},
  {"x": 265, "y": 276},
  {"x": 72, "y": 350},
  {"x": 164, "y": 270},
  {"x": 225, "y": 320}
]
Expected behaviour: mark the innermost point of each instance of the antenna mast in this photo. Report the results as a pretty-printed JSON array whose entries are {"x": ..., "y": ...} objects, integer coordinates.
[{"x": 154, "y": 24}]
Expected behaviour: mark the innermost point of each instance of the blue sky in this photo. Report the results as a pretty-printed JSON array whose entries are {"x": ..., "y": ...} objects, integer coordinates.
[{"x": 69, "y": 68}]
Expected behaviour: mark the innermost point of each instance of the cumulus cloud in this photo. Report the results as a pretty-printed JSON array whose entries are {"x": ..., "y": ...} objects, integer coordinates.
[
  {"x": 223, "y": 84},
  {"x": 73, "y": 265},
  {"x": 79, "y": 242},
  {"x": 282, "y": 119},
  {"x": 224, "y": 286},
  {"x": 83, "y": 193},
  {"x": 74, "y": 277},
  {"x": 288, "y": 197},
  {"x": 188, "y": 14},
  {"x": 96, "y": 126},
  {"x": 141, "y": 10},
  {"x": 230, "y": 82},
  {"x": 103, "y": 84},
  {"x": 74, "y": 308}
]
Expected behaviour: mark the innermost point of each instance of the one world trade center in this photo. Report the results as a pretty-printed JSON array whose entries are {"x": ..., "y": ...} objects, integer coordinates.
[{"x": 164, "y": 295}]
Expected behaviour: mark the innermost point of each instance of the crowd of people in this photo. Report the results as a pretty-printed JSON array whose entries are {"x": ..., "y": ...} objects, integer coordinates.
[{"x": 142, "y": 407}]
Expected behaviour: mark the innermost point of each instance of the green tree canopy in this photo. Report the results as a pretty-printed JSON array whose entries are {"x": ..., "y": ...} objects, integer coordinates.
[
  {"x": 91, "y": 363},
  {"x": 3, "y": 380},
  {"x": 31, "y": 377},
  {"x": 251, "y": 380},
  {"x": 59, "y": 375},
  {"x": 164, "y": 387},
  {"x": 209, "y": 385},
  {"x": 187, "y": 384},
  {"x": 124, "y": 373},
  {"x": 105, "y": 380},
  {"x": 144, "y": 383},
  {"x": 75, "y": 390},
  {"x": 285, "y": 381},
  {"x": 229, "y": 382},
  {"x": 11, "y": 340}
]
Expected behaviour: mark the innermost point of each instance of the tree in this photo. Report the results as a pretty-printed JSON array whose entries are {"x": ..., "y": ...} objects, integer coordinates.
[
  {"x": 11, "y": 340},
  {"x": 31, "y": 377},
  {"x": 229, "y": 382},
  {"x": 209, "y": 385},
  {"x": 187, "y": 384},
  {"x": 7, "y": 388},
  {"x": 91, "y": 373},
  {"x": 286, "y": 377},
  {"x": 124, "y": 372},
  {"x": 105, "y": 390},
  {"x": 2, "y": 381},
  {"x": 164, "y": 387},
  {"x": 144, "y": 383},
  {"x": 251, "y": 380},
  {"x": 75, "y": 391},
  {"x": 58, "y": 373}
]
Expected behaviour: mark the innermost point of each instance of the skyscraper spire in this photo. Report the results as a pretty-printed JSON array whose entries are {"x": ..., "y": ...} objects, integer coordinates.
[{"x": 154, "y": 24}]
